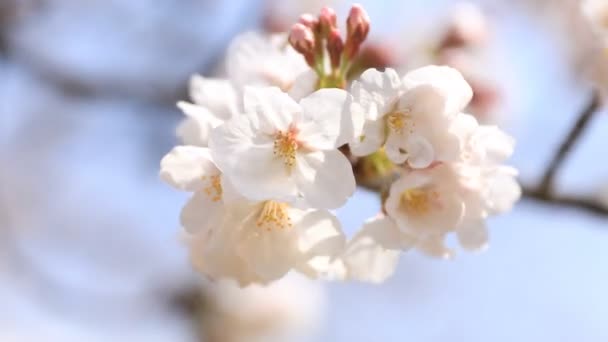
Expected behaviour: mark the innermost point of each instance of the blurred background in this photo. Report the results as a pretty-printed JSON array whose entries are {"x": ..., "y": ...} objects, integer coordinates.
[{"x": 89, "y": 236}]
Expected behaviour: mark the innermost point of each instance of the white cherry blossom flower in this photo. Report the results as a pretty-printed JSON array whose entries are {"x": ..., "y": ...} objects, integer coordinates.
[
  {"x": 257, "y": 59},
  {"x": 259, "y": 242},
  {"x": 284, "y": 150},
  {"x": 458, "y": 197},
  {"x": 248, "y": 241},
  {"x": 214, "y": 101},
  {"x": 410, "y": 117}
]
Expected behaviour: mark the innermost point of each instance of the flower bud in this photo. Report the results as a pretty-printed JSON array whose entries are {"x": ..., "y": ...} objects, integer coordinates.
[
  {"x": 302, "y": 40},
  {"x": 308, "y": 20},
  {"x": 335, "y": 46},
  {"x": 357, "y": 24},
  {"x": 327, "y": 20}
]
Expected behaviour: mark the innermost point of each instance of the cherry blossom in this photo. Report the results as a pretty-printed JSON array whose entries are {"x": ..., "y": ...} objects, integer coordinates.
[
  {"x": 284, "y": 150},
  {"x": 249, "y": 241},
  {"x": 411, "y": 118}
]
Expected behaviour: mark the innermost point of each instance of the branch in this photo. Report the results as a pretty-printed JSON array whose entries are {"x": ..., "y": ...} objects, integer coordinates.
[
  {"x": 547, "y": 181},
  {"x": 587, "y": 204}
]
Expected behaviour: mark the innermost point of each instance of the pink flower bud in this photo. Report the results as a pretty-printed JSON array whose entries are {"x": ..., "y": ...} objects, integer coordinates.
[
  {"x": 357, "y": 24},
  {"x": 335, "y": 46},
  {"x": 327, "y": 20},
  {"x": 308, "y": 20},
  {"x": 302, "y": 40}
]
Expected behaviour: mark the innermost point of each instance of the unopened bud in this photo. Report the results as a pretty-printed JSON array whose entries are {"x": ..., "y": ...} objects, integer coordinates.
[
  {"x": 302, "y": 40},
  {"x": 357, "y": 24},
  {"x": 357, "y": 28},
  {"x": 308, "y": 20},
  {"x": 335, "y": 46},
  {"x": 327, "y": 20}
]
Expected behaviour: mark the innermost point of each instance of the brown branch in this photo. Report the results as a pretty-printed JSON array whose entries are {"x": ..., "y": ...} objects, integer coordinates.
[
  {"x": 587, "y": 204},
  {"x": 583, "y": 121}
]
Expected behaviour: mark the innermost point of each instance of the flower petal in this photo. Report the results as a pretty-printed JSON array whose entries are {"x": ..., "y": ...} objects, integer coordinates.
[
  {"x": 420, "y": 152},
  {"x": 202, "y": 214},
  {"x": 433, "y": 245},
  {"x": 188, "y": 168},
  {"x": 320, "y": 241},
  {"x": 377, "y": 89},
  {"x": 195, "y": 129},
  {"x": 373, "y": 253},
  {"x": 248, "y": 161},
  {"x": 269, "y": 253},
  {"x": 473, "y": 235},
  {"x": 325, "y": 178},
  {"x": 370, "y": 140},
  {"x": 327, "y": 119},
  {"x": 217, "y": 95},
  {"x": 304, "y": 85},
  {"x": 446, "y": 79},
  {"x": 274, "y": 109}
]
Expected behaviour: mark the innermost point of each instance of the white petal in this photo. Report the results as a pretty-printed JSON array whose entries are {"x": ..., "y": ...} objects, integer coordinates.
[
  {"x": 274, "y": 109},
  {"x": 424, "y": 100},
  {"x": 263, "y": 60},
  {"x": 326, "y": 116},
  {"x": 304, "y": 85},
  {"x": 473, "y": 235},
  {"x": 498, "y": 145},
  {"x": 373, "y": 253},
  {"x": 502, "y": 189},
  {"x": 325, "y": 178},
  {"x": 376, "y": 91},
  {"x": 247, "y": 159},
  {"x": 420, "y": 152},
  {"x": 448, "y": 80},
  {"x": 217, "y": 95},
  {"x": 201, "y": 214},
  {"x": 269, "y": 253},
  {"x": 188, "y": 167},
  {"x": 320, "y": 241},
  {"x": 195, "y": 129},
  {"x": 370, "y": 140},
  {"x": 434, "y": 246},
  {"x": 214, "y": 255},
  {"x": 396, "y": 148}
]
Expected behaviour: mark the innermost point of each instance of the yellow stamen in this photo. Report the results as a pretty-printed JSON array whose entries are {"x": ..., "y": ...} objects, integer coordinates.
[
  {"x": 418, "y": 201},
  {"x": 214, "y": 187},
  {"x": 274, "y": 215},
  {"x": 285, "y": 147},
  {"x": 399, "y": 121}
]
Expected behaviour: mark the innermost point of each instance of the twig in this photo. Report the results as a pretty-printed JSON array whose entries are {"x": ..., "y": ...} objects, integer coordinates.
[
  {"x": 587, "y": 204},
  {"x": 547, "y": 181}
]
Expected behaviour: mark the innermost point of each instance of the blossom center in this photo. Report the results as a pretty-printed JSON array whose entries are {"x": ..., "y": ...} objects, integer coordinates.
[
  {"x": 274, "y": 215},
  {"x": 285, "y": 146},
  {"x": 213, "y": 188},
  {"x": 418, "y": 202},
  {"x": 400, "y": 121}
]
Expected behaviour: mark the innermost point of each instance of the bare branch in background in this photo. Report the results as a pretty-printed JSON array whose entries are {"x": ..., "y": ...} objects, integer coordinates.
[
  {"x": 587, "y": 204},
  {"x": 583, "y": 121}
]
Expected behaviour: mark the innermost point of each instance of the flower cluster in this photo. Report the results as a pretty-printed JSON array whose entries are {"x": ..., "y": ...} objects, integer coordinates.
[{"x": 266, "y": 164}]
